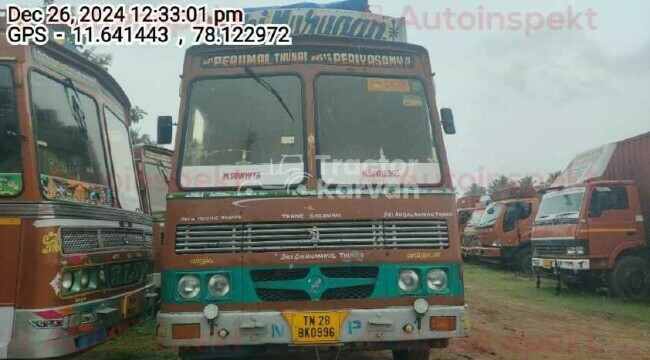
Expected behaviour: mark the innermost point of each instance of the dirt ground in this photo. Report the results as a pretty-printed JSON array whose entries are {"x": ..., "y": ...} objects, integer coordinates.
[{"x": 505, "y": 328}]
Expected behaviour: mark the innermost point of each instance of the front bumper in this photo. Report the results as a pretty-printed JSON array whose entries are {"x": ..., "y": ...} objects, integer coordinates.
[
  {"x": 553, "y": 265},
  {"x": 357, "y": 326},
  {"x": 55, "y": 332}
]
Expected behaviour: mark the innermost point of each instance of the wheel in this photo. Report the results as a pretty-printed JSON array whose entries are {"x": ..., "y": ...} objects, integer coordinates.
[
  {"x": 630, "y": 279},
  {"x": 411, "y": 354},
  {"x": 524, "y": 261}
]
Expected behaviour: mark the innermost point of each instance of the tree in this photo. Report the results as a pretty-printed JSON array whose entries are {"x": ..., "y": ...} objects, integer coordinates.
[
  {"x": 526, "y": 182},
  {"x": 553, "y": 176},
  {"x": 501, "y": 183},
  {"x": 137, "y": 114},
  {"x": 138, "y": 138},
  {"x": 476, "y": 189}
]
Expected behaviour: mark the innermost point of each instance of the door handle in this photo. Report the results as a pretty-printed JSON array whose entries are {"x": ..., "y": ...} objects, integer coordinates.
[{"x": 631, "y": 233}]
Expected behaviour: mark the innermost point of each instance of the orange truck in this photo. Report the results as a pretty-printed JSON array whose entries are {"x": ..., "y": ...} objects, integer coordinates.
[
  {"x": 466, "y": 207},
  {"x": 291, "y": 225},
  {"x": 504, "y": 230},
  {"x": 75, "y": 246},
  {"x": 593, "y": 226},
  {"x": 469, "y": 238},
  {"x": 154, "y": 164}
]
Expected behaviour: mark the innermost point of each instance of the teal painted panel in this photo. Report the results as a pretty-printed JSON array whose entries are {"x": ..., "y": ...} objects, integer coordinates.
[{"x": 243, "y": 289}]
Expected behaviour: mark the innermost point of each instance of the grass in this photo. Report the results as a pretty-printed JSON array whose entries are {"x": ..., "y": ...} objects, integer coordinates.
[
  {"x": 522, "y": 288},
  {"x": 138, "y": 343}
]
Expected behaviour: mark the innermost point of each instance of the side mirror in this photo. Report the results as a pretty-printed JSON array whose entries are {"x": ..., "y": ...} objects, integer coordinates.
[
  {"x": 165, "y": 130},
  {"x": 447, "y": 119}
]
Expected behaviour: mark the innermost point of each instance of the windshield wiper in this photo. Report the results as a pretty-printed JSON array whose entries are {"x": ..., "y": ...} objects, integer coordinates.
[
  {"x": 161, "y": 169},
  {"x": 270, "y": 89},
  {"x": 75, "y": 106}
]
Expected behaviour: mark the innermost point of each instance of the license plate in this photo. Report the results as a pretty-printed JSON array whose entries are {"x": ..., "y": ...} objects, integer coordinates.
[
  {"x": 315, "y": 327},
  {"x": 548, "y": 264}
]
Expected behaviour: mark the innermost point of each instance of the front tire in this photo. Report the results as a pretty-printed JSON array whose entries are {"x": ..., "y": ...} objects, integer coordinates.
[
  {"x": 524, "y": 261},
  {"x": 630, "y": 279},
  {"x": 411, "y": 354}
]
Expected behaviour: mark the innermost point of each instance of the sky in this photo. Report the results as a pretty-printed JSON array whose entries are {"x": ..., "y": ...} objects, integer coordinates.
[{"x": 526, "y": 99}]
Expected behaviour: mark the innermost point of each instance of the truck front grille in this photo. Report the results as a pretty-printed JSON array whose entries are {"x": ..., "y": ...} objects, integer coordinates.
[
  {"x": 267, "y": 237},
  {"x": 88, "y": 240},
  {"x": 556, "y": 247},
  {"x": 352, "y": 282}
]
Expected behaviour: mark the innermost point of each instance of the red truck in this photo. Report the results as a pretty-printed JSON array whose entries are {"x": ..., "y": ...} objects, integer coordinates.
[
  {"x": 503, "y": 234},
  {"x": 466, "y": 207},
  {"x": 593, "y": 227}
]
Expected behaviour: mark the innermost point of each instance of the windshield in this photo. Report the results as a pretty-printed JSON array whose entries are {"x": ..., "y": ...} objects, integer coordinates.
[
  {"x": 11, "y": 181},
  {"x": 374, "y": 131},
  {"x": 565, "y": 204},
  {"x": 70, "y": 148},
  {"x": 491, "y": 215},
  {"x": 475, "y": 218},
  {"x": 241, "y": 135},
  {"x": 157, "y": 176},
  {"x": 123, "y": 165}
]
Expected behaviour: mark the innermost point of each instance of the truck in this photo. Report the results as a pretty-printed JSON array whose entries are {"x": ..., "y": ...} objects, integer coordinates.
[
  {"x": 593, "y": 225},
  {"x": 466, "y": 207},
  {"x": 75, "y": 245},
  {"x": 304, "y": 214},
  {"x": 153, "y": 164},
  {"x": 502, "y": 235},
  {"x": 469, "y": 239}
]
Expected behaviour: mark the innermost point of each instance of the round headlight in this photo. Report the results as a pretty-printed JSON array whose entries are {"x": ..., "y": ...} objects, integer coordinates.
[
  {"x": 437, "y": 279},
  {"x": 408, "y": 281},
  {"x": 421, "y": 306},
  {"x": 85, "y": 279},
  {"x": 219, "y": 285},
  {"x": 189, "y": 287},
  {"x": 211, "y": 311},
  {"x": 67, "y": 281}
]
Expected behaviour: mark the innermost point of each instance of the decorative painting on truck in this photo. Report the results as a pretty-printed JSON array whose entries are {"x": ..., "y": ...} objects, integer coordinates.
[
  {"x": 311, "y": 57},
  {"x": 11, "y": 184},
  {"x": 327, "y": 22},
  {"x": 56, "y": 188}
]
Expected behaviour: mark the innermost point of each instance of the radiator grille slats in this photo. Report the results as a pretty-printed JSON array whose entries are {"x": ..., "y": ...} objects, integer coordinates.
[
  {"x": 89, "y": 240},
  {"x": 294, "y": 236}
]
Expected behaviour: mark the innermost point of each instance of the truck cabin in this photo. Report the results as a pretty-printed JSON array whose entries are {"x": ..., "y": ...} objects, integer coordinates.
[{"x": 590, "y": 216}]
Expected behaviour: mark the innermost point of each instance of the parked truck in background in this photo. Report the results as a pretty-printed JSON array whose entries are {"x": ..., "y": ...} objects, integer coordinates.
[
  {"x": 593, "y": 225},
  {"x": 504, "y": 230},
  {"x": 153, "y": 165},
  {"x": 466, "y": 207},
  {"x": 469, "y": 239}
]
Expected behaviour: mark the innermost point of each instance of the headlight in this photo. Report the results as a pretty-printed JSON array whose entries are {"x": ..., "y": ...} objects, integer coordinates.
[
  {"x": 496, "y": 243},
  {"x": 84, "y": 279},
  {"x": 437, "y": 279},
  {"x": 409, "y": 281},
  {"x": 571, "y": 251},
  {"x": 189, "y": 287},
  {"x": 219, "y": 285},
  {"x": 580, "y": 250},
  {"x": 67, "y": 281}
]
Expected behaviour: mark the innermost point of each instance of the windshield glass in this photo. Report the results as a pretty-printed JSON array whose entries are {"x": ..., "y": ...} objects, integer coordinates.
[
  {"x": 11, "y": 181},
  {"x": 475, "y": 218},
  {"x": 70, "y": 148},
  {"x": 561, "y": 204},
  {"x": 374, "y": 131},
  {"x": 123, "y": 165},
  {"x": 491, "y": 215},
  {"x": 240, "y": 134},
  {"x": 157, "y": 176}
]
